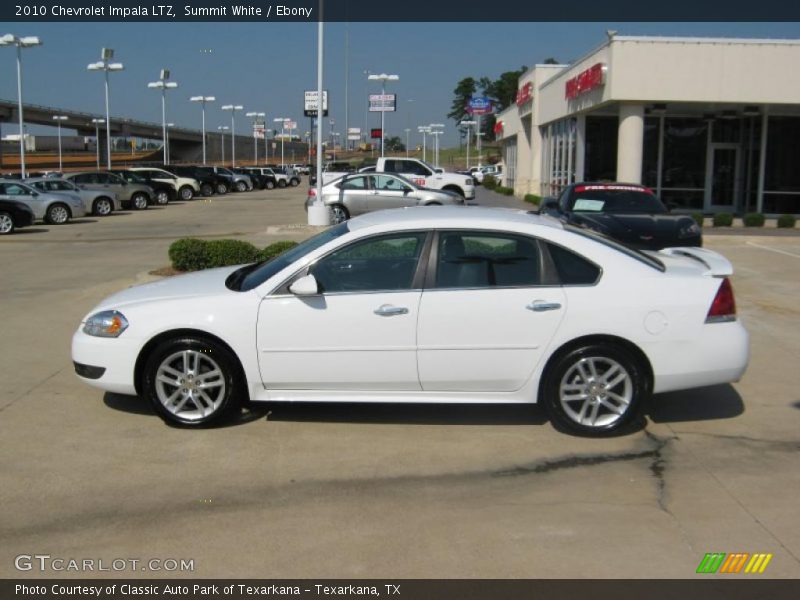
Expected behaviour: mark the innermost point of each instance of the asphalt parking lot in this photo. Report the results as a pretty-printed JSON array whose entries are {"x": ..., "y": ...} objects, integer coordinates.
[{"x": 328, "y": 491}]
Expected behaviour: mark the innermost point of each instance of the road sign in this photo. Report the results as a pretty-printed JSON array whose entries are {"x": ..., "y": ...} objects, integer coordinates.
[
  {"x": 375, "y": 134},
  {"x": 479, "y": 105},
  {"x": 311, "y": 103},
  {"x": 382, "y": 102},
  {"x": 290, "y": 125}
]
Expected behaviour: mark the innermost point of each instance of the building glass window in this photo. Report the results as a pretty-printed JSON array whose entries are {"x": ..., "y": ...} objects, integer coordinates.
[
  {"x": 781, "y": 175},
  {"x": 600, "y": 155},
  {"x": 650, "y": 152},
  {"x": 684, "y": 162}
]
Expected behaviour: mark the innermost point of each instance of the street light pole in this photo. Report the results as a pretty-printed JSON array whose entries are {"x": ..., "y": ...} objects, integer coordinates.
[
  {"x": 58, "y": 119},
  {"x": 282, "y": 121},
  {"x": 424, "y": 130},
  {"x": 436, "y": 131},
  {"x": 222, "y": 129},
  {"x": 169, "y": 154},
  {"x": 202, "y": 100},
  {"x": 256, "y": 116},
  {"x": 233, "y": 108},
  {"x": 97, "y": 123},
  {"x": 106, "y": 54},
  {"x": 383, "y": 78},
  {"x": 407, "y": 142},
  {"x": 468, "y": 125},
  {"x": 163, "y": 85},
  {"x": 20, "y": 42}
]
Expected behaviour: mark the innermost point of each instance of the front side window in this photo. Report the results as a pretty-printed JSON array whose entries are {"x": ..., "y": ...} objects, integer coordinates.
[
  {"x": 487, "y": 260},
  {"x": 389, "y": 183},
  {"x": 354, "y": 183},
  {"x": 12, "y": 189},
  {"x": 385, "y": 263},
  {"x": 84, "y": 178}
]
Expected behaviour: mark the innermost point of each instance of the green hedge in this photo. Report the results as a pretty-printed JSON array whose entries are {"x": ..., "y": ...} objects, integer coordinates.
[
  {"x": 533, "y": 199},
  {"x": 698, "y": 218},
  {"x": 787, "y": 221},
  {"x": 191, "y": 254},
  {"x": 753, "y": 220},
  {"x": 489, "y": 182},
  {"x": 723, "y": 219}
]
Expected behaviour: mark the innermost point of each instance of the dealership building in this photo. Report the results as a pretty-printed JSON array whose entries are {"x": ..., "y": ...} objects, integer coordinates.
[{"x": 710, "y": 124}]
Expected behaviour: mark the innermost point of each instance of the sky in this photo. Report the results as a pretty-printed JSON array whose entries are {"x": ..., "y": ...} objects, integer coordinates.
[{"x": 266, "y": 66}]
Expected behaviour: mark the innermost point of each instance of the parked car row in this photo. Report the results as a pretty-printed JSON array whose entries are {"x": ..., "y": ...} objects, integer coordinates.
[{"x": 55, "y": 198}]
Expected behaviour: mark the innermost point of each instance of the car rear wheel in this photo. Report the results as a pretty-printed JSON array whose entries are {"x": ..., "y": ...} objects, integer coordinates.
[
  {"x": 139, "y": 201},
  {"x": 339, "y": 214},
  {"x": 241, "y": 186},
  {"x": 162, "y": 197},
  {"x": 57, "y": 214},
  {"x": 295, "y": 182},
  {"x": 207, "y": 189},
  {"x": 269, "y": 185},
  {"x": 102, "y": 207},
  {"x": 6, "y": 223},
  {"x": 192, "y": 381},
  {"x": 595, "y": 389},
  {"x": 186, "y": 192},
  {"x": 281, "y": 184},
  {"x": 222, "y": 188}
]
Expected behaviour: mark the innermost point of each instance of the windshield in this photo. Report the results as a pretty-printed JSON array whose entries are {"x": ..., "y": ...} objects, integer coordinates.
[
  {"x": 615, "y": 199},
  {"x": 132, "y": 177},
  {"x": 251, "y": 276}
]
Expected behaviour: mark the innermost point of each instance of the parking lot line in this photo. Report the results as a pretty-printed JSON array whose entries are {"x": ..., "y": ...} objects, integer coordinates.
[{"x": 786, "y": 252}]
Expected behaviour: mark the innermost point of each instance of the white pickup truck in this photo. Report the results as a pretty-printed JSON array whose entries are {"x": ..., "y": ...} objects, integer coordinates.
[{"x": 420, "y": 173}]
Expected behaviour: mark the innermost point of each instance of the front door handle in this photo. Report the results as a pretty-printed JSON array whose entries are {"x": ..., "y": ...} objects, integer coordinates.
[
  {"x": 387, "y": 310},
  {"x": 540, "y": 306}
]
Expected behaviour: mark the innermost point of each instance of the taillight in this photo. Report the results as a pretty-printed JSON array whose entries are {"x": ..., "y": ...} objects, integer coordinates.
[
  {"x": 312, "y": 192},
  {"x": 723, "y": 308}
]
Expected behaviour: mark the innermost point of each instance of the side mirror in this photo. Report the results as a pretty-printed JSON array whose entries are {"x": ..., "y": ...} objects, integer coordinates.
[
  {"x": 549, "y": 204},
  {"x": 305, "y": 286},
  {"x": 439, "y": 171}
]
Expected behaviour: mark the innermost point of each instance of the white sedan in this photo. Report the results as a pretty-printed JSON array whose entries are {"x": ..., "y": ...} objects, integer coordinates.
[{"x": 441, "y": 304}]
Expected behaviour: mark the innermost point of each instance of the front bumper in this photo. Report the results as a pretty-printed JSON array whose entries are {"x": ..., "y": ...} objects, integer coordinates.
[{"x": 106, "y": 363}]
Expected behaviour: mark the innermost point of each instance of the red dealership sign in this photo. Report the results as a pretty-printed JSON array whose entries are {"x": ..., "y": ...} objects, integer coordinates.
[
  {"x": 525, "y": 94},
  {"x": 591, "y": 78}
]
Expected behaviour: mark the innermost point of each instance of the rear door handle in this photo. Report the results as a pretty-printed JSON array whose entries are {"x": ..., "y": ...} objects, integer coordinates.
[
  {"x": 540, "y": 306},
  {"x": 387, "y": 310}
]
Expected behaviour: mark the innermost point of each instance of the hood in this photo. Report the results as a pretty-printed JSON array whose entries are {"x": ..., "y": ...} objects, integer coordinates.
[
  {"x": 201, "y": 283},
  {"x": 653, "y": 231}
]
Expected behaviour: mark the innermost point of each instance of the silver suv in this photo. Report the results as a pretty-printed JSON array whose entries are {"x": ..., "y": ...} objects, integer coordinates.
[{"x": 133, "y": 195}]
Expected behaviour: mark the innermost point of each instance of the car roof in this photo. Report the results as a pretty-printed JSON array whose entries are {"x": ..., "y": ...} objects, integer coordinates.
[{"x": 471, "y": 217}]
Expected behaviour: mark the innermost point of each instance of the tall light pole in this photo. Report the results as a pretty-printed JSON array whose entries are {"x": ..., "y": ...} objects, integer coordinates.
[
  {"x": 407, "y": 130},
  {"x": 256, "y": 116},
  {"x": 436, "y": 131},
  {"x": 163, "y": 85},
  {"x": 233, "y": 108},
  {"x": 169, "y": 155},
  {"x": 222, "y": 129},
  {"x": 58, "y": 119},
  {"x": 424, "y": 130},
  {"x": 367, "y": 72},
  {"x": 202, "y": 100},
  {"x": 282, "y": 121},
  {"x": 469, "y": 125},
  {"x": 29, "y": 41},
  {"x": 104, "y": 64},
  {"x": 383, "y": 78},
  {"x": 97, "y": 123}
]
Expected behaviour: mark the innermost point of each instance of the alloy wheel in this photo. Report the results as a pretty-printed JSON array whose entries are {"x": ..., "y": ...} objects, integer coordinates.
[
  {"x": 190, "y": 385},
  {"x": 596, "y": 391}
]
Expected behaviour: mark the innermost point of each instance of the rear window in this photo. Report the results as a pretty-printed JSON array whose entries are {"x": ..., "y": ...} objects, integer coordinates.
[
  {"x": 573, "y": 269},
  {"x": 615, "y": 199},
  {"x": 647, "y": 259}
]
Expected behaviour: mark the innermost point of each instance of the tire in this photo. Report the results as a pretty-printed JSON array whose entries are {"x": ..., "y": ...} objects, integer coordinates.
[
  {"x": 339, "y": 214},
  {"x": 222, "y": 188},
  {"x": 241, "y": 186},
  {"x": 282, "y": 183},
  {"x": 6, "y": 224},
  {"x": 57, "y": 214},
  {"x": 433, "y": 204},
  {"x": 186, "y": 192},
  {"x": 162, "y": 197},
  {"x": 102, "y": 207},
  {"x": 295, "y": 182},
  {"x": 456, "y": 189},
  {"x": 197, "y": 396},
  {"x": 595, "y": 389},
  {"x": 139, "y": 201},
  {"x": 207, "y": 189},
  {"x": 269, "y": 185}
]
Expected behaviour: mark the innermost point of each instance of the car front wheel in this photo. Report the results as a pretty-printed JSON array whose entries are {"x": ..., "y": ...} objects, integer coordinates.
[
  {"x": 222, "y": 188},
  {"x": 102, "y": 207},
  {"x": 162, "y": 197},
  {"x": 207, "y": 189},
  {"x": 595, "y": 389},
  {"x": 241, "y": 186},
  {"x": 281, "y": 184},
  {"x": 186, "y": 192},
  {"x": 57, "y": 214},
  {"x": 269, "y": 185},
  {"x": 139, "y": 201},
  {"x": 6, "y": 223},
  {"x": 192, "y": 381}
]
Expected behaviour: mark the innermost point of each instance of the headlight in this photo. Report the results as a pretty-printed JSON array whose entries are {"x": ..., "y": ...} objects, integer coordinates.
[
  {"x": 108, "y": 323},
  {"x": 468, "y": 182},
  {"x": 689, "y": 230}
]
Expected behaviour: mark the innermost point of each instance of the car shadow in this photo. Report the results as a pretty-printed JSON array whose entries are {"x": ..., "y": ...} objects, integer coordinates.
[
  {"x": 80, "y": 221},
  {"x": 27, "y": 230},
  {"x": 698, "y": 404}
]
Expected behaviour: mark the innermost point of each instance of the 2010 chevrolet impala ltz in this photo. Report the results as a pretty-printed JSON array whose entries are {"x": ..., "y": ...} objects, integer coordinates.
[{"x": 435, "y": 304}]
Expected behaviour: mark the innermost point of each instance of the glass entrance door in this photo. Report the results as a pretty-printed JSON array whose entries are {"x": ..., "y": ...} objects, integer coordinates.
[{"x": 722, "y": 177}]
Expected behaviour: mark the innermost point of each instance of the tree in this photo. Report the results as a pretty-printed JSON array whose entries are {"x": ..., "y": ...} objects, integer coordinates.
[
  {"x": 394, "y": 144},
  {"x": 503, "y": 90},
  {"x": 461, "y": 95}
]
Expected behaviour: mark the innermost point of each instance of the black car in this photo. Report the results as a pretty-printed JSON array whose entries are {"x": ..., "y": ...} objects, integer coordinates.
[
  {"x": 13, "y": 215},
  {"x": 262, "y": 178},
  {"x": 225, "y": 178},
  {"x": 629, "y": 213},
  {"x": 163, "y": 193},
  {"x": 210, "y": 182}
]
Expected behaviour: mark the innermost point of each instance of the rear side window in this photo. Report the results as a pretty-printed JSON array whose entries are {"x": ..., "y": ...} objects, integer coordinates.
[{"x": 573, "y": 269}]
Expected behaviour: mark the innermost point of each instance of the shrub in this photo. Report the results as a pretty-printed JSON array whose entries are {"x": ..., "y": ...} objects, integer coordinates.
[
  {"x": 489, "y": 182},
  {"x": 723, "y": 219},
  {"x": 274, "y": 250},
  {"x": 533, "y": 199},
  {"x": 753, "y": 220},
  {"x": 698, "y": 218},
  {"x": 223, "y": 253},
  {"x": 786, "y": 221},
  {"x": 188, "y": 254},
  {"x": 507, "y": 191}
]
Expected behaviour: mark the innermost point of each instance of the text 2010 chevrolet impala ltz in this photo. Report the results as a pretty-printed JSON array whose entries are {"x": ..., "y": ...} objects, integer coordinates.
[{"x": 434, "y": 304}]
